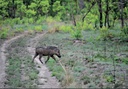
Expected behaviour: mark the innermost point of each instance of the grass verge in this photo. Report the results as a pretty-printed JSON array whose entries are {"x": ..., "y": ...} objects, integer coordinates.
[{"x": 21, "y": 73}]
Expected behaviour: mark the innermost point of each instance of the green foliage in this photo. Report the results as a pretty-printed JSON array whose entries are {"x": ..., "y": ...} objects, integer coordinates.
[
  {"x": 57, "y": 8},
  {"x": 87, "y": 26},
  {"x": 60, "y": 10},
  {"x": 45, "y": 6},
  {"x": 50, "y": 19},
  {"x": 125, "y": 30},
  {"x": 74, "y": 31},
  {"x": 126, "y": 11},
  {"x": 91, "y": 18},
  {"x": 16, "y": 21},
  {"x": 125, "y": 60},
  {"x": 104, "y": 33},
  {"x": 30, "y": 13},
  {"x": 109, "y": 78},
  {"x": 3, "y": 6},
  {"x": 21, "y": 9},
  {"x": 38, "y": 8},
  {"x": 41, "y": 20},
  {"x": 76, "y": 34},
  {"x": 31, "y": 20},
  {"x": 4, "y": 33},
  {"x": 65, "y": 28},
  {"x": 18, "y": 30},
  {"x": 38, "y": 28}
]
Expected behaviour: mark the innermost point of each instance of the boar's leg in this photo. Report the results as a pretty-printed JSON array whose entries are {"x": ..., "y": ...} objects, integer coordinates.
[
  {"x": 54, "y": 58},
  {"x": 34, "y": 57},
  {"x": 40, "y": 56},
  {"x": 47, "y": 59}
]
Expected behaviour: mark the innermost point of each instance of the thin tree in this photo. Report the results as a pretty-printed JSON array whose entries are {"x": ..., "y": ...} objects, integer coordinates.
[
  {"x": 99, "y": 2},
  {"x": 13, "y": 8},
  {"x": 121, "y": 12},
  {"x": 107, "y": 14}
]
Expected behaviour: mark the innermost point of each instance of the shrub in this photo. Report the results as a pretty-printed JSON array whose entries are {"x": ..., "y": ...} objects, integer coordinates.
[
  {"x": 50, "y": 19},
  {"x": 38, "y": 28},
  {"x": 18, "y": 30},
  {"x": 109, "y": 78},
  {"x": 4, "y": 33},
  {"x": 125, "y": 30},
  {"x": 65, "y": 28},
  {"x": 16, "y": 20},
  {"x": 25, "y": 20},
  {"x": 87, "y": 26},
  {"x": 125, "y": 60},
  {"x": 76, "y": 34},
  {"x": 105, "y": 34},
  {"x": 41, "y": 20},
  {"x": 54, "y": 29},
  {"x": 31, "y": 20}
]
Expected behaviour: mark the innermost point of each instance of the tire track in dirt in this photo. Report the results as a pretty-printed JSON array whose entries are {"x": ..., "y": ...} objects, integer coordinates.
[
  {"x": 3, "y": 54},
  {"x": 45, "y": 80}
]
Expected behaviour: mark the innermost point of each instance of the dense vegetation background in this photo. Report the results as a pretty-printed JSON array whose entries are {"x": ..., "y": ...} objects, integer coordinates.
[{"x": 85, "y": 14}]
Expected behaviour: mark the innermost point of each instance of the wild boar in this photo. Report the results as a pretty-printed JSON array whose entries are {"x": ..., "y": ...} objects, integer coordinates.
[{"x": 49, "y": 51}]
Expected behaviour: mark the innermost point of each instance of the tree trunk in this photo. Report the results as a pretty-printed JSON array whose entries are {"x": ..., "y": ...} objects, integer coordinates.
[
  {"x": 13, "y": 8},
  {"x": 121, "y": 12},
  {"x": 107, "y": 14},
  {"x": 100, "y": 11},
  {"x": 74, "y": 20},
  {"x": 81, "y": 4},
  {"x": 51, "y": 8}
]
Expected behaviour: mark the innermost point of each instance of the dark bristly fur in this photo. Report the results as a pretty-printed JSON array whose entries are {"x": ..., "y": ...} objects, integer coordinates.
[{"x": 49, "y": 51}]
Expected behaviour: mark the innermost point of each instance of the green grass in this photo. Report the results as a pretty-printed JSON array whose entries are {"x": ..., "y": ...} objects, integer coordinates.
[
  {"x": 81, "y": 57},
  {"x": 56, "y": 69},
  {"x": 77, "y": 57},
  {"x": 9, "y": 30},
  {"x": 19, "y": 64}
]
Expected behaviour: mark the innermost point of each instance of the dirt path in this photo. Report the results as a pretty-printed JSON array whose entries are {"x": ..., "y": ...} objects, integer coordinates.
[
  {"x": 3, "y": 54},
  {"x": 45, "y": 79}
]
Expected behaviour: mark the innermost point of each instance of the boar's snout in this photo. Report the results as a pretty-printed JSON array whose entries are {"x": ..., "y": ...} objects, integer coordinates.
[{"x": 59, "y": 56}]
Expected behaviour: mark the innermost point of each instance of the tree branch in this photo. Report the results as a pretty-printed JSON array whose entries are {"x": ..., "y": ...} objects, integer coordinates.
[{"x": 88, "y": 11}]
